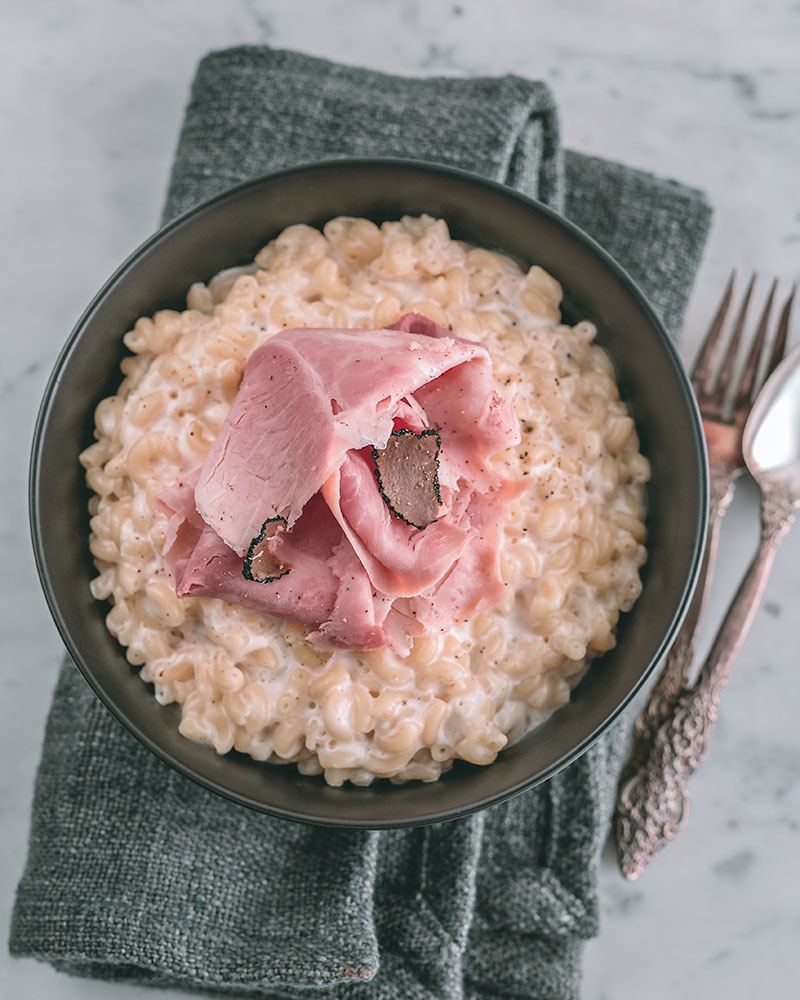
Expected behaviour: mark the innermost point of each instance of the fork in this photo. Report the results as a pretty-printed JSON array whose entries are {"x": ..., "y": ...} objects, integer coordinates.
[{"x": 650, "y": 809}]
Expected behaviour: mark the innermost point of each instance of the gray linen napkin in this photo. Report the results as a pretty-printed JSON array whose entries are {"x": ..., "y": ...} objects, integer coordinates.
[{"x": 136, "y": 874}]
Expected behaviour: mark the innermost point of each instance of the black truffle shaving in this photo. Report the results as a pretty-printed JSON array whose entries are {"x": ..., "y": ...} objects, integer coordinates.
[
  {"x": 259, "y": 565},
  {"x": 407, "y": 471}
]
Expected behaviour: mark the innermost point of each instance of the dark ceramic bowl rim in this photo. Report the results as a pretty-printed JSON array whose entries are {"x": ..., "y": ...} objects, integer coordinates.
[{"x": 445, "y": 172}]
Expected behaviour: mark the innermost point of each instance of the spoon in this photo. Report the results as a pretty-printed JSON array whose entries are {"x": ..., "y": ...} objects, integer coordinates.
[{"x": 771, "y": 449}]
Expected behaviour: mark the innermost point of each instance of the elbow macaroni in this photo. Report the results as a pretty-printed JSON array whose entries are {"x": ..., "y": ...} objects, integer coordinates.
[{"x": 570, "y": 552}]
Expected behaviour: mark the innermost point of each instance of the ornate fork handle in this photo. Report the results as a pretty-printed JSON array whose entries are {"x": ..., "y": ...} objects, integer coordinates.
[
  {"x": 674, "y": 676},
  {"x": 654, "y": 801}
]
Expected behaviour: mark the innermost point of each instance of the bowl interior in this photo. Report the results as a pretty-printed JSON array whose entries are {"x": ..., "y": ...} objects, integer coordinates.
[{"x": 229, "y": 230}]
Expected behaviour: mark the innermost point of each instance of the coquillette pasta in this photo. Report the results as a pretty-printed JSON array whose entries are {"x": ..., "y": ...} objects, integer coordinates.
[{"x": 571, "y": 547}]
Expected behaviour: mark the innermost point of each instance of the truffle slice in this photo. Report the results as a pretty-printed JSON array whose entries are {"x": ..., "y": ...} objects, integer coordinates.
[
  {"x": 260, "y": 565},
  {"x": 407, "y": 470}
]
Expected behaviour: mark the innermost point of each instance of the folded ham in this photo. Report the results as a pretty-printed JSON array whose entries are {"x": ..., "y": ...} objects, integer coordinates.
[
  {"x": 298, "y": 447},
  {"x": 307, "y": 398}
]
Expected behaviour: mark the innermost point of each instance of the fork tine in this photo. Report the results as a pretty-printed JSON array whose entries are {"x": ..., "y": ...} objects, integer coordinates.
[
  {"x": 724, "y": 377},
  {"x": 746, "y": 391},
  {"x": 702, "y": 366},
  {"x": 779, "y": 345}
]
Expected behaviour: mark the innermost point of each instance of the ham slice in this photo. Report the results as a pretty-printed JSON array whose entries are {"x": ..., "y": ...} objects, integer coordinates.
[
  {"x": 185, "y": 525},
  {"x": 326, "y": 585},
  {"x": 298, "y": 444},
  {"x": 400, "y": 560},
  {"x": 473, "y": 584},
  {"x": 308, "y": 397}
]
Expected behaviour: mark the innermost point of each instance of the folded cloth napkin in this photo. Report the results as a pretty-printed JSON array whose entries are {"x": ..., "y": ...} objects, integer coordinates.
[{"x": 135, "y": 873}]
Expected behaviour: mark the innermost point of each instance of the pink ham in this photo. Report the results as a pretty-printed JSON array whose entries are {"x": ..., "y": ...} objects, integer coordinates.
[
  {"x": 473, "y": 584},
  {"x": 400, "y": 560},
  {"x": 294, "y": 445},
  {"x": 185, "y": 525},
  {"x": 307, "y": 397},
  {"x": 358, "y": 615},
  {"x": 326, "y": 586},
  {"x": 474, "y": 423}
]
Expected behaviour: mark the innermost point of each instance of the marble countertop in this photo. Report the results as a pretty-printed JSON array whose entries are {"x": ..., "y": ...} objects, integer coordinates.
[{"x": 92, "y": 95}]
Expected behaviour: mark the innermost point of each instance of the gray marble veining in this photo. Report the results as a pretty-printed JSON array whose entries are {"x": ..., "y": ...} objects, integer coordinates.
[{"x": 91, "y": 99}]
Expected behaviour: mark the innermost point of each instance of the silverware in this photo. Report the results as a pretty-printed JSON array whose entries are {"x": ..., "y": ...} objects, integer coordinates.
[{"x": 652, "y": 800}]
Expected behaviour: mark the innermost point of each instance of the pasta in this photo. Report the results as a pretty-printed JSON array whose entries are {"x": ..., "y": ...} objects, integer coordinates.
[{"x": 571, "y": 547}]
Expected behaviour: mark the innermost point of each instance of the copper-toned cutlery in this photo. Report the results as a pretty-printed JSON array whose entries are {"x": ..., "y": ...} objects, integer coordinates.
[{"x": 671, "y": 734}]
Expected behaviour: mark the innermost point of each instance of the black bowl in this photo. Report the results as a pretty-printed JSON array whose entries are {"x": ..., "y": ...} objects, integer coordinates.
[{"x": 228, "y": 230}]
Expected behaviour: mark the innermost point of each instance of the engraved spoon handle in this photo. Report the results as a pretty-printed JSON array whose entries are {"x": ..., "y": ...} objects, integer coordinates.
[
  {"x": 655, "y": 801},
  {"x": 777, "y": 516}
]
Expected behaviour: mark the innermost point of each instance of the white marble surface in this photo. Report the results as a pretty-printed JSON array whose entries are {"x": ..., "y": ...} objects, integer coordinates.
[{"x": 91, "y": 96}]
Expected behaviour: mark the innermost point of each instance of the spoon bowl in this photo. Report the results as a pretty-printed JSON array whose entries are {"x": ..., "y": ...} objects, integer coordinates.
[{"x": 771, "y": 440}]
